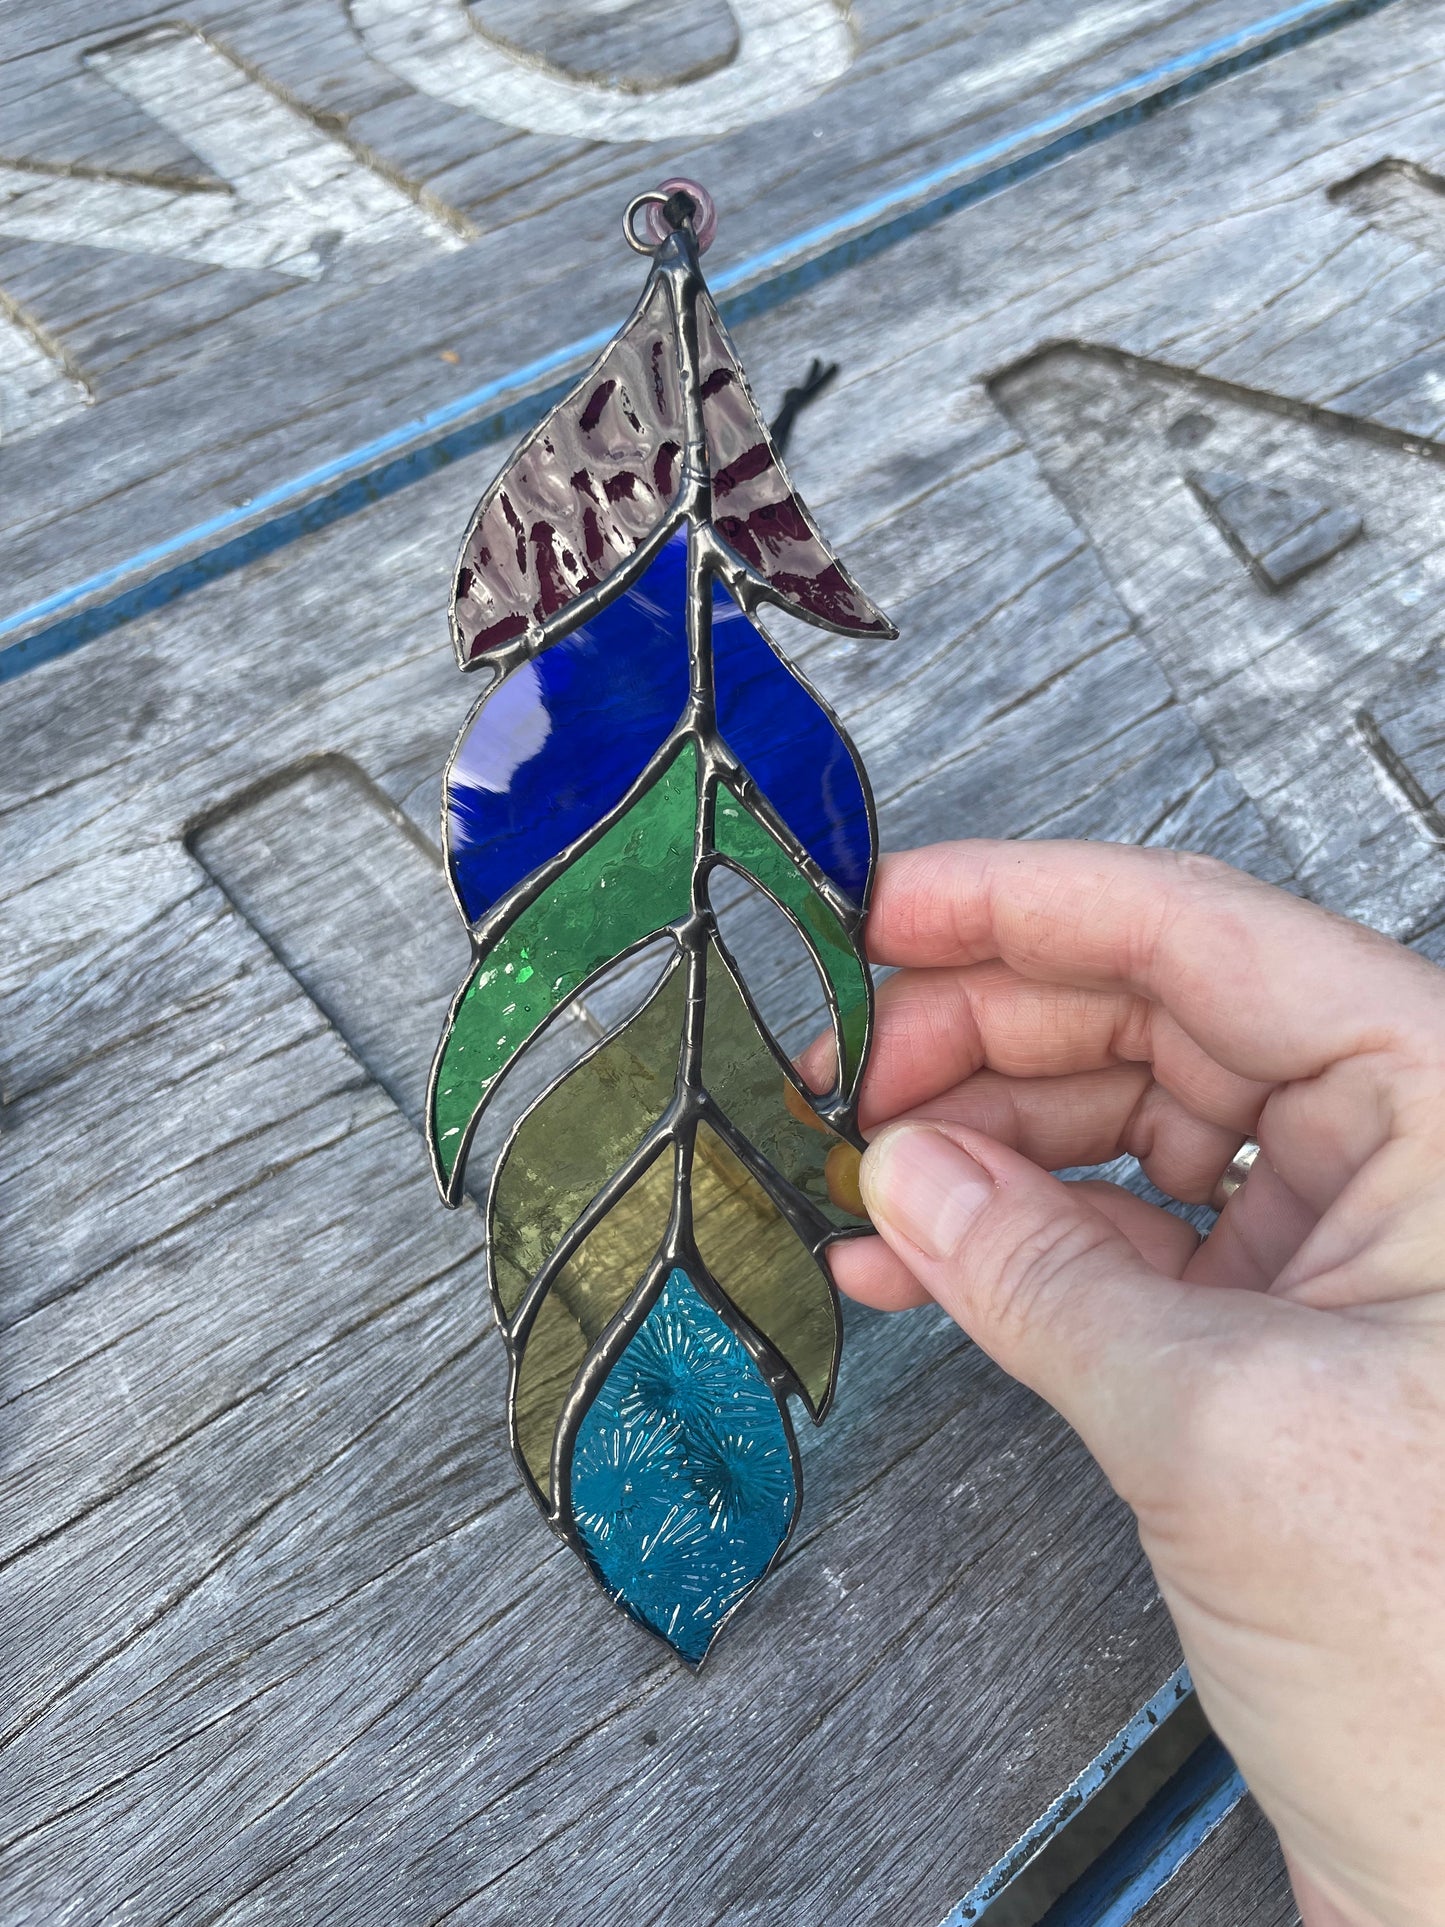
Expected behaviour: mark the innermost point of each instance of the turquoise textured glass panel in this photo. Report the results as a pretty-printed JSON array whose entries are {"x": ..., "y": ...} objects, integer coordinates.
[{"x": 683, "y": 1476}]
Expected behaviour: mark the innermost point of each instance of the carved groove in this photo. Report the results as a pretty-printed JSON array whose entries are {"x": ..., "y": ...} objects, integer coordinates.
[{"x": 1399, "y": 773}]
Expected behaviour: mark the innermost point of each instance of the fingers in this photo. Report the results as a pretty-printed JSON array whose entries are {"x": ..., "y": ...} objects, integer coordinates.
[
  {"x": 1165, "y": 1243},
  {"x": 1258, "y": 1232},
  {"x": 1379, "y": 1243},
  {"x": 1092, "y": 1118},
  {"x": 1051, "y": 1288},
  {"x": 869, "y": 1270},
  {"x": 935, "y": 1028},
  {"x": 1268, "y": 986}
]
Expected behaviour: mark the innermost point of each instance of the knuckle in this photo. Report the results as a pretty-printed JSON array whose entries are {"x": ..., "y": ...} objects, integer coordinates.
[{"x": 1027, "y": 1268}]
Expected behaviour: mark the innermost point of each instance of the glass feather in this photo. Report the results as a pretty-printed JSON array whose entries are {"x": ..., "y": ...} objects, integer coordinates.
[{"x": 658, "y": 1221}]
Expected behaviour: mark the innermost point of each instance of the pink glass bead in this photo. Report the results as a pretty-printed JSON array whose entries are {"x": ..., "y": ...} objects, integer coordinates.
[{"x": 704, "y": 224}]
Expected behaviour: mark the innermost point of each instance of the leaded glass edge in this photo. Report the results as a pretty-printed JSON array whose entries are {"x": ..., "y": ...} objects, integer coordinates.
[{"x": 676, "y": 277}]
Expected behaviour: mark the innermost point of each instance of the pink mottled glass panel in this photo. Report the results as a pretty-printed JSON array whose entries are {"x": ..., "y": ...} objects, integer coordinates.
[
  {"x": 755, "y": 508},
  {"x": 583, "y": 493}
]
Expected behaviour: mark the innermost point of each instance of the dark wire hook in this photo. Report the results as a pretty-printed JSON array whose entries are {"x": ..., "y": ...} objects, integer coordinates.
[{"x": 795, "y": 400}]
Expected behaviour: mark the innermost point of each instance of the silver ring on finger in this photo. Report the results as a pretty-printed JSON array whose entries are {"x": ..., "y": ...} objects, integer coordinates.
[{"x": 1238, "y": 1169}]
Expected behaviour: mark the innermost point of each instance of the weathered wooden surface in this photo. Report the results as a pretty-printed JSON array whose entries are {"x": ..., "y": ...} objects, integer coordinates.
[
  {"x": 256, "y": 1356},
  {"x": 201, "y": 383},
  {"x": 283, "y": 1637},
  {"x": 1313, "y": 695},
  {"x": 1236, "y": 1877}
]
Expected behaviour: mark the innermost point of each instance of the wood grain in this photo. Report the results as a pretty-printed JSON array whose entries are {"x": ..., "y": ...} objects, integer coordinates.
[
  {"x": 921, "y": 88},
  {"x": 783, "y": 55},
  {"x": 637, "y": 46},
  {"x": 284, "y": 1638},
  {"x": 1279, "y": 681}
]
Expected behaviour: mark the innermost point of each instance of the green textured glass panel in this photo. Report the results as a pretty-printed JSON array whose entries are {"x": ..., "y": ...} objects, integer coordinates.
[
  {"x": 755, "y": 1256},
  {"x": 584, "y": 1297},
  {"x": 633, "y": 881},
  {"x": 571, "y": 1141},
  {"x": 749, "y": 1086},
  {"x": 743, "y": 840}
]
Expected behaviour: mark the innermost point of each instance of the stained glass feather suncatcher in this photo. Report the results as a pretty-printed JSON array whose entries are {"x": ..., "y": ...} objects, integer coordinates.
[{"x": 657, "y": 1223}]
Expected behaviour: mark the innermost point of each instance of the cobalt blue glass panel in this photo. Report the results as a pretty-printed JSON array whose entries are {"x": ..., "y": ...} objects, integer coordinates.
[
  {"x": 562, "y": 739},
  {"x": 565, "y": 736},
  {"x": 786, "y": 741},
  {"x": 683, "y": 1483}
]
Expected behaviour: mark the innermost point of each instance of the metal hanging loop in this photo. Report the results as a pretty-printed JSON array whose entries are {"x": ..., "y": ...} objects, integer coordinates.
[
  {"x": 676, "y": 203},
  {"x": 648, "y": 200}
]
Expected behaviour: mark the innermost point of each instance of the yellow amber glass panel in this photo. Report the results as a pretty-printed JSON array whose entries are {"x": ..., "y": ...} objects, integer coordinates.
[
  {"x": 555, "y": 1350},
  {"x": 748, "y": 1084},
  {"x": 755, "y": 1256},
  {"x": 585, "y": 1128},
  {"x": 583, "y": 1298}
]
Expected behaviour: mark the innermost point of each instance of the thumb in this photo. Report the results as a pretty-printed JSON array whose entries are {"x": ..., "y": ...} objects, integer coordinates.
[{"x": 1048, "y": 1287}]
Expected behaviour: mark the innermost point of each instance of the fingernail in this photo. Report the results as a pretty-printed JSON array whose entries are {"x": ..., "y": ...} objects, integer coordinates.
[
  {"x": 818, "y": 1064},
  {"x": 920, "y": 1183}
]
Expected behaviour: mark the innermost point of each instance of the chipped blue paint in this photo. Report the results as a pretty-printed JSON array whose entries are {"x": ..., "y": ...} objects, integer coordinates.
[
  {"x": 1062, "y": 1810},
  {"x": 1152, "y": 1849}
]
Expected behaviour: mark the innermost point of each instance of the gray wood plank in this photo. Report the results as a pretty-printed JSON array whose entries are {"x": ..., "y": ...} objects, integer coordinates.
[
  {"x": 1279, "y": 678},
  {"x": 640, "y": 44},
  {"x": 130, "y": 468},
  {"x": 287, "y": 1636},
  {"x": 1284, "y": 684}
]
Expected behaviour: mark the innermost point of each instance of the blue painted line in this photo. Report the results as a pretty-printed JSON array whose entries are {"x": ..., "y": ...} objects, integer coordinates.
[
  {"x": 290, "y": 519},
  {"x": 1152, "y": 1849},
  {"x": 342, "y": 468},
  {"x": 956, "y": 184},
  {"x": 1060, "y": 1811},
  {"x": 378, "y": 468}
]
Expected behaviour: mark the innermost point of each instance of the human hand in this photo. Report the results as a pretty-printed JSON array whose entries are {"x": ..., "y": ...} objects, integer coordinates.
[{"x": 1271, "y": 1402}]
